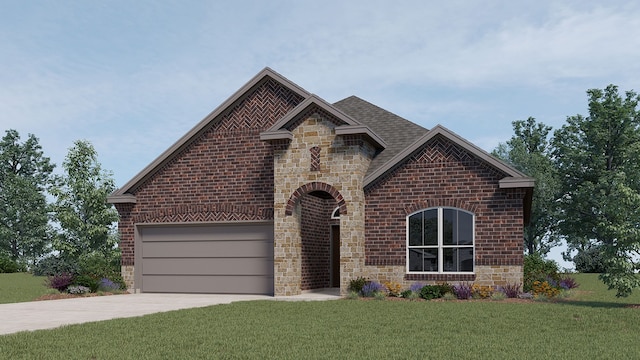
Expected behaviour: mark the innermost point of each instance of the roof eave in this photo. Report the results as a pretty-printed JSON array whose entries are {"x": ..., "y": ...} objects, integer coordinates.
[
  {"x": 121, "y": 199},
  {"x": 276, "y": 135},
  {"x": 372, "y": 137}
]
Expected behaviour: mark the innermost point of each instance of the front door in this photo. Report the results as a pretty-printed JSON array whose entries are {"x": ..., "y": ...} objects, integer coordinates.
[{"x": 335, "y": 256}]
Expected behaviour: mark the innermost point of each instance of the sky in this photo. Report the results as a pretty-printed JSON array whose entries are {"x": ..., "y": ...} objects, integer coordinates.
[{"x": 132, "y": 77}]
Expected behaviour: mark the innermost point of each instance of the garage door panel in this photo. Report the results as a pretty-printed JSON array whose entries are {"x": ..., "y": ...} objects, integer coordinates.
[
  {"x": 206, "y": 258},
  {"x": 216, "y": 266},
  {"x": 205, "y": 233},
  {"x": 210, "y": 284}
]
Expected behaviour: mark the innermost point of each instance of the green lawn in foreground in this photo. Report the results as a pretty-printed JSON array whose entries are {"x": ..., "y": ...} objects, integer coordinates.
[
  {"x": 593, "y": 325},
  {"x": 21, "y": 287}
]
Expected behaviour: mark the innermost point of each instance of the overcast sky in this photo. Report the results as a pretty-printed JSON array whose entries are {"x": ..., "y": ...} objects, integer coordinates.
[{"x": 133, "y": 76}]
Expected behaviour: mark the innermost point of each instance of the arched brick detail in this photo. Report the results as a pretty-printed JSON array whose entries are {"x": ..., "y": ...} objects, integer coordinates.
[
  {"x": 311, "y": 187},
  {"x": 430, "y": 203}
]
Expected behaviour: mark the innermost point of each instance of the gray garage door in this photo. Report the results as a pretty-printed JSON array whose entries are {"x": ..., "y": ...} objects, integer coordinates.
[{"x": 219, "y": 259}]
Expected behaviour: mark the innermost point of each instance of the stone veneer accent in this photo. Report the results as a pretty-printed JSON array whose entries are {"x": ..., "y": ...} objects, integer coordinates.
[
  {"x": 343, "y": 164},
  {"x": 127, "y": 272}
]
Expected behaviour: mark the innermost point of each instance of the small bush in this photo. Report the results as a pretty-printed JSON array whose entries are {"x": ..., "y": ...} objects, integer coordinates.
[
  {"x": 371, "y": 288},
  {"x": 568, "y": 283},
  {"x": 108, "y": 285},
  {"x": 538, "y": 269},
  {"x": 498, "y": 295},
  {"x": 405, "y": 294},
  {"x": 352, "y": 295},
  {"x": 379, "y": 295},
  {"x": 87, "y": 281},
  {"x": 481, "y": 292},
  {"x": 510, "y": 290},
  {"x": 429, "y": 292},
  {"x": 54, "y": 265},
  {"x": 445, "y": 288},
  {"x": 416, "y": 287},
  {"x": 462, "y": 291},
  {"x": 357, "y": 284},
  {"x": 449, "y": 296},
  {"x": 543, "y": 288},
  {"x": 393, "y": 288},
  {"x": 8, "y": 266},
  {"x": 99, "y": 265},
  {"x": 78, "y": 289},
  {"x": 60, "y": 282}
]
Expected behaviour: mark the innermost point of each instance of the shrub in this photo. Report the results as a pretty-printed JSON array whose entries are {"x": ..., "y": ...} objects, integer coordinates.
[
  {"x": 538, "y": 269},
  {"x": 371, "y": 288},
  {"x": 108, "y": 285},
  {"x": 498, "y": 295},
  {"x": 60, "y": 282},
  {"x": 568, "y": 283},
  {"x": 481, "y": 291},
  {"x": 87, "y": 281},
  {"x": 543, "y": 288},
  {"x": 449, "y": 296},
  {"x": 406, "y": 294},
  {"x": 357, "y": 284},
  {"x": 393, "y": 288},
  {"x": 416, "y": 287},
  {"x": 99, "y": 265},
  {"x": 462, "y": 291},
  {"x": 445, "y": 288},
  {"x": 54, "y": 265},
  {"x": 352, "y": 295},
  {"x": 429, "y": 292},
  {"x": 78, "y": 289},
  {"x": 8, "y": 265},
  {"x": 379, "y": 295},
  {"x": 510, "y": 290}
]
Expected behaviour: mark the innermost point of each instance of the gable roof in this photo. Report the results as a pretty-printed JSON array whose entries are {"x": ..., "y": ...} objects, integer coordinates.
[
  {"x": 514, "y": 178},
  {"x": 121, "y": 195},
  {"x": 352, "y": 126}
]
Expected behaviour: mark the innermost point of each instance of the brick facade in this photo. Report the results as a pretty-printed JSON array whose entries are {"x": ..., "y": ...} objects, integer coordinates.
[
  {"x": 443, "y": 174},
  {"x": 225, "y": 173}
]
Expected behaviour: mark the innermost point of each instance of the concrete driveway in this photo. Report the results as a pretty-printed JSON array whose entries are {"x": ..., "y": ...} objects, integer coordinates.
[{"x": 37, "y": 315}]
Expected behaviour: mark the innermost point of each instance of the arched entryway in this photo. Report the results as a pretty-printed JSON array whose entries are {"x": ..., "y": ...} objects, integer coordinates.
[{"x": 318, "y": 206}]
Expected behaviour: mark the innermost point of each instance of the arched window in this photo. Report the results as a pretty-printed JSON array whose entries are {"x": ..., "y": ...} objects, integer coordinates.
[
  {"x": 336, "y": 213},
  {"x": 440, "y": 240}
]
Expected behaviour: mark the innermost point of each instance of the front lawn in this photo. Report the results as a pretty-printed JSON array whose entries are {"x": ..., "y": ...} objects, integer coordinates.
[
  {"x": 593, "y": 325},
  {"x": 21, "y": 287}
]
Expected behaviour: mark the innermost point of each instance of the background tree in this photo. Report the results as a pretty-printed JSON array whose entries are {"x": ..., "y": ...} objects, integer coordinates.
[
  {"x": 529, "y": 151},
  {"x": 25, "y": 174},
  {"x": 81, "y": 209},
  {"x": 598, "y": 159}
]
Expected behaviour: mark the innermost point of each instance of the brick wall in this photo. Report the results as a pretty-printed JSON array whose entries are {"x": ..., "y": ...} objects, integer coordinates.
[
  {"x": 225, "y": 174},
  {"x": 442, "y": 174}
]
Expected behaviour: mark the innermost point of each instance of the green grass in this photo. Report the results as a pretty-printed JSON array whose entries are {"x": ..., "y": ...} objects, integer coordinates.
[
  {"x": 21, "y": 287},
  {"x": 593, "y": 324}
]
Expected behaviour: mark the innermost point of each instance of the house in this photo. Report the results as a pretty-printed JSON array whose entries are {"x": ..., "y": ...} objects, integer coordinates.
[{"x": 278, "y": 191}]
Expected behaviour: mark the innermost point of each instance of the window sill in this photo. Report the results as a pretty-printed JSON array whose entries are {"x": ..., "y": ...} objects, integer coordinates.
[{"x": 440, "y": 276}]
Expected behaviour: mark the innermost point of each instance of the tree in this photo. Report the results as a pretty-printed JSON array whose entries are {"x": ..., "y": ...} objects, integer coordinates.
[
  {"x": 598, "y": 159},
  {"x": 81, "y": 209},
  {"x": 25, "y": 175},
  {"x": 529, "y": 151}
]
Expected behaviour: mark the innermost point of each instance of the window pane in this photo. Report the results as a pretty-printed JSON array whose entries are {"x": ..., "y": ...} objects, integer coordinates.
[
  {"x": 431, "y": 227},
  {"x": 415, "y": 229},
  {"x": 423, "y": 259},
  {"x": 415, "y": 259},
  {"x": 458, "y": 259},
  {"x": 466, "y": 259},
  {"x": 448, "y": 223},
  {"x": 430, "y": 259},
  {"x": 465, "y": 228}
]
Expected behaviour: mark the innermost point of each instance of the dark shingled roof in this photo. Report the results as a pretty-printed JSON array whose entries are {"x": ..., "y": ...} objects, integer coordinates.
[{"x": 397, "y": 132}]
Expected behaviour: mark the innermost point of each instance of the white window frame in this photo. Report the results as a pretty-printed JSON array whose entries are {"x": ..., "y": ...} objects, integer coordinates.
[{"x": 440, "y": 246}]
